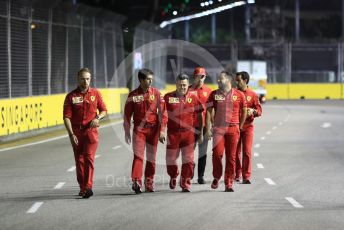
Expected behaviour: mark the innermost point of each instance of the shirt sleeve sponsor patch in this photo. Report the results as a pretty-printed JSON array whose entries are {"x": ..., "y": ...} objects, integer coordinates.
[{"x": 219, "y": 97}]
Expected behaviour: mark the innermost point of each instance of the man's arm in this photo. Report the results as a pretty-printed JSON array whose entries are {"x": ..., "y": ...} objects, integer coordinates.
[
  {"x": 208, "y": 123},
  {"x": 128, "y": 112},
  {"x": 68, "y": 124},
  {"x": 162, "y": 119}
]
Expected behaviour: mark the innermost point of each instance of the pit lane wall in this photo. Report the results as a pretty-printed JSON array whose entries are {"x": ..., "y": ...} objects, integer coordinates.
[
  {"x": 21, "y": 115},
  {"x": 294, "y": 91}
]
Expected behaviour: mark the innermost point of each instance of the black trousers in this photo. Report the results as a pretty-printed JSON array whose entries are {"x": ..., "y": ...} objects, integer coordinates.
[{"x": 202, "y": 154}]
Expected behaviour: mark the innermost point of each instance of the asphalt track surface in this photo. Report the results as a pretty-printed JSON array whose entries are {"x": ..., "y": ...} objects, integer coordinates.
[{"x": 297, "y": 181}]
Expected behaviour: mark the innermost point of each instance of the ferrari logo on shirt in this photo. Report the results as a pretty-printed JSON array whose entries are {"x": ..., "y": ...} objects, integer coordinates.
[
  {"x": 235, "y": 98},
  {"x": 219, "y": 97},
  {"x": 173, "y": 100},
  {"x": 248, "y": 98},
  {"x": 138, "y": 98},
  {"x": 93, "y": 98},
  {"x": 189, "y": 100},
  {"x": 151, "y": 97},
  {"x": 77, "y": 100}
]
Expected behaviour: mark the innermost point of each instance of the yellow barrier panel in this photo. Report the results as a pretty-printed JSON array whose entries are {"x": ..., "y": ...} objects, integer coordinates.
[{"x": 25, "y": 114}]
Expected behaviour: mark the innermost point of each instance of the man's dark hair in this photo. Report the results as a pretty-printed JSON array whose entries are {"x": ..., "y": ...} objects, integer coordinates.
[
  {"x": 143, "y": 74},
  {"x": 84, "y": 70},
  {"x": 228, "y": 75},
  {"x": 182, "y": 76},
  {"x": 244, "y": 75}
]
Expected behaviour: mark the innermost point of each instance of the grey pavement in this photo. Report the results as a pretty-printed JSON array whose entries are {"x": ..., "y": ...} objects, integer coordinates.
[{"x": 299, "y": 148}]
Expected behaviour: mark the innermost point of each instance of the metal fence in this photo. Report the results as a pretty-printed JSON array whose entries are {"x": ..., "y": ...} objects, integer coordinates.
[
  {"x": 42, "y": 46},
  {"x": 288, "y": 62}
]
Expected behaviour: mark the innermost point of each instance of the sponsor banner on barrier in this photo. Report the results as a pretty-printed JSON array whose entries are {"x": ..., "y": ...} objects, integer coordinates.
[{"x": 25, "y": 114}]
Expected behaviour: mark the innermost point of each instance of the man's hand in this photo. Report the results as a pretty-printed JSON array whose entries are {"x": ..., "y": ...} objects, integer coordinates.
[
  {"x": 127, "y": 138},
  {"x": 162, "y": 137},
  {"x": 94, "y": 123},
  {"x": 73, "y": 139},
  {"x": 200, "y": 138},
  {"x": 208, "y": 134},
  {"x": 250, "y": 112}
]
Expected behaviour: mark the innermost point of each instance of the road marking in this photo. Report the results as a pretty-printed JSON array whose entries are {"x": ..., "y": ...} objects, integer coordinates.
[
  {"x": 280, "y": 123},
  {"x": 263, "y": 138},
  {"x": 268, "y": 132},
  {"x": 35, "y": 207},
  {"x": 116, "y": 147},
  {"x": 60, "y": 185},
  {"x": 97, "y": 156},
  {"x": 326, "y": 125},
  {"x": 275, "y": 127},
  {"x": 53, "y": 139},
  {"x": 269, "y": 181},
  {"x": 71, "y": 169},
  {"x": 256, "y": 154},
  {"x": 260, "y": 165},
  {"x": 257, "y": 146},
  {"x": 294, "y": 202}
]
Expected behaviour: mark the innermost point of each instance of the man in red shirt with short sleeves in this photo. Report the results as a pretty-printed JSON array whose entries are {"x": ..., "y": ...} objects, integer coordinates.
[
  {"x": 182, "y": 108},
  {"x": 202, "y": 92},
  {"x": 254, "y": 109},
  {"x": 145, "y": 104},
  {"x": 229, "y": 105},
  {"x": 81, "y": 121}
]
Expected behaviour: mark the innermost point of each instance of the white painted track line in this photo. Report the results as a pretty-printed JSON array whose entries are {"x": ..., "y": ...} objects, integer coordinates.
[
  {"x": 97, "y": 156},
  {"x": 256, "y": 154},
  {"x": 257, "y": 146},
  {"x": 116, "y": 147},
  {"x": 35, "y": 207},
  {"x": 71, "y": 169},
  {"x": 260, "y": 166},
  {"x": 59, "y": 185},
  {"x": 269, "y": 181},
  {"x": 52, "y": 139},
  {"x": 326, "y": 125},
  {"x": 294, "y": 202},
  {"x": 263, "y": 138}
]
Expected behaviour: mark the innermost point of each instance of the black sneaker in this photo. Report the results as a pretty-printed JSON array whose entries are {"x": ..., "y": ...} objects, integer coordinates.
[
  {"x": 185, "y": 190},
  {"x": 173, "y": 183},
  {"x": 229, "y": 189},
  {"x": 149, "y": 189},
  {"x": 201, "y": 180},
  {"x": 246, "y": 182},
  {"x": 81, "y": 193},
  {"x": 88, "y": 194},
  {"x": 136, "y": 187}
]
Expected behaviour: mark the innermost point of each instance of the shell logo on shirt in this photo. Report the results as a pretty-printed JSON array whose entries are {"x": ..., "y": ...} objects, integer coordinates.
[
  {"x": 173, "y": 100},
  {"x": 248, "y": 98},
  {"x": 235, "y": 98},
  {"x": 93, "y": 98},
  {"x": 151, "y": 97},
  {"x": 189, "y": 100}
]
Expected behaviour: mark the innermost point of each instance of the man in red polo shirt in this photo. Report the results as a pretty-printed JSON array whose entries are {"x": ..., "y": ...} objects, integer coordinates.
[
  {"x": 145, "y": 104},
  {"x": 202, "y": 92},
  {"x": 229, "y": 105},
  {"x": 182, "y": 106},
  {"x": 254, "y": 109},
  {"x": 81, "y": 121}
]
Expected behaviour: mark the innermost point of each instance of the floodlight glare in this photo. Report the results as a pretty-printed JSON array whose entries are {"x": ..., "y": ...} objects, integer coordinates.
[{"x": 204, "y": 13}]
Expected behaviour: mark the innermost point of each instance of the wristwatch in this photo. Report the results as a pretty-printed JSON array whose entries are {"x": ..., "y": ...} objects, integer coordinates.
[{"x": 99, "y": 118}]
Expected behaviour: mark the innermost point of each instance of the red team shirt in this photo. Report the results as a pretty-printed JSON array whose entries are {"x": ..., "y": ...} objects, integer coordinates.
[
  {"x": 202, "y": 94},
  {"x": 144, "y": 106},
  {"x": 81, "y": 108},
  {"x": 227, "y": 107},
  {"x": 181, "y": 110},
  {"x": 252, "y": 101}
]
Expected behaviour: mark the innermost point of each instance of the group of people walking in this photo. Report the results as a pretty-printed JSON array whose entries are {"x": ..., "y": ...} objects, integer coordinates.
[{"x": 189, "y": 116}]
